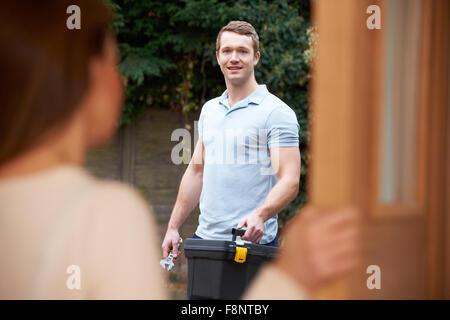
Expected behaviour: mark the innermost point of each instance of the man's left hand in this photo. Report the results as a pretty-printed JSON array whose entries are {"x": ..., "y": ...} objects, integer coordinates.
[{"x": 255, "y": 227}]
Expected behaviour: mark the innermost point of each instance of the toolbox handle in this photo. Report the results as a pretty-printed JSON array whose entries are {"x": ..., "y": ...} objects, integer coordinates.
[{"x": 237, "y": 232}]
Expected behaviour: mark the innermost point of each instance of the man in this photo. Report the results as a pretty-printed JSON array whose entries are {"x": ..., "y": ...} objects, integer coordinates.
[
  {"x": 246, "y": 164},
  {"x": 246, "y": 168}
]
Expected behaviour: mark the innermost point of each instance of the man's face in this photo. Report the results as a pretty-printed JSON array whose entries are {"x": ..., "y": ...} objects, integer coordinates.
[{"x": 236, "y": 57}]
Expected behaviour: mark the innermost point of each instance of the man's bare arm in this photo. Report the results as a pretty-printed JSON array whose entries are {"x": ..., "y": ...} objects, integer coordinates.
[
  {"x": 288, "y": 178},
  {"x": 286, "y": 164},
  {"x": 188, "y": 197}
]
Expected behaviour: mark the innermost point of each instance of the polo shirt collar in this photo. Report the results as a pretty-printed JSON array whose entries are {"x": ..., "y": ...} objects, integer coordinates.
[
  {"x": 223, "y": 99},
  {"x": 256, "y": 97}
]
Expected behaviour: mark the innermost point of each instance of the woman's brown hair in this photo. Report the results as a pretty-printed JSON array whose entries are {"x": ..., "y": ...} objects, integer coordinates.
[{"x": 44, "y": 66}]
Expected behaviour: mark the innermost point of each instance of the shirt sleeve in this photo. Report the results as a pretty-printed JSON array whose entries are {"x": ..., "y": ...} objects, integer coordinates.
[
  {"x": 200, "y": 123},
  {"x": 273, "y": 284},
  {"x": 282, "y": 128},
  {"x": 124, "y": 256}
]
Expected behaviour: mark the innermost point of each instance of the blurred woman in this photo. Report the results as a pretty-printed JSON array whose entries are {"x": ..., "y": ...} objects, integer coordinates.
[{"x": 61, "y": 94}]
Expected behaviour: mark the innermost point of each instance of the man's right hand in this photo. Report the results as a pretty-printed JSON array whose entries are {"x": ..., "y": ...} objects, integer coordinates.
[{"x": 170, "y": 242}]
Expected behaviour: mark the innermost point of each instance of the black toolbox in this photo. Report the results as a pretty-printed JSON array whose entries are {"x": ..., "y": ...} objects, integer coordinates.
[{"x": 223, "y": 269}]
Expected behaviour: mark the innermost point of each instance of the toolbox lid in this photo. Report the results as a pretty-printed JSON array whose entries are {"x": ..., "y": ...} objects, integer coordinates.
[{"x": 222, "y": 249}]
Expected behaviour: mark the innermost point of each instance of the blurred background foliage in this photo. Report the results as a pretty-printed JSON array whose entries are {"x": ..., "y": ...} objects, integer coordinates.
[{"x": 167, "y": 51}]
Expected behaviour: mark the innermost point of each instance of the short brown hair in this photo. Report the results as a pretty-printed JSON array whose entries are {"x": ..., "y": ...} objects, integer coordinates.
[
  {"x": 240, "y": 27},
  {"x": 44, "y": 66}
]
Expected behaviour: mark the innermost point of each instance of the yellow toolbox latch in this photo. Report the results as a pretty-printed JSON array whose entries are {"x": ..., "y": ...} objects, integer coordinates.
[{"x": 241, "y": 255}]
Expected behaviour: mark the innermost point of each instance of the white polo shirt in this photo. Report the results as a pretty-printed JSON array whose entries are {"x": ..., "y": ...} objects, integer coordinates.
[{"x": 238, "y": 173}]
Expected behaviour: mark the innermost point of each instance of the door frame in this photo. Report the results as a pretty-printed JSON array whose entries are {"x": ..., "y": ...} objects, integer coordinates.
[{"x": 345, "y": 96}]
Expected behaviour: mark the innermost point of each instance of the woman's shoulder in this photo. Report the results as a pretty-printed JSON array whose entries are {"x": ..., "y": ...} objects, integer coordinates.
[
  {"x": 97, "y": 197},
  {"x": 122, "y": 237},
  {"x": 116, "y": 217},
  {"x": 114, "y": 198},
  {"x": 118, "y": 198}
]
